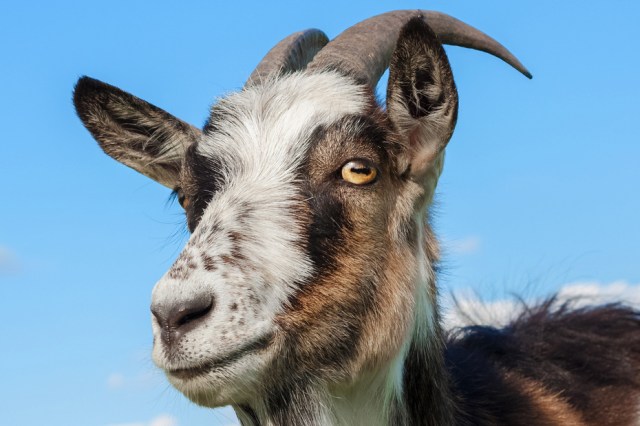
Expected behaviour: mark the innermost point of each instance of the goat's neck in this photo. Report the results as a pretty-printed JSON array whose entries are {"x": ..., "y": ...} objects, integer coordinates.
[{"x": 412, "y": 389}]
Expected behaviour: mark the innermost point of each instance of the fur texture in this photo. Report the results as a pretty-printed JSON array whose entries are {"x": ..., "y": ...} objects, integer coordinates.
[{"x": 302, "y": 298}]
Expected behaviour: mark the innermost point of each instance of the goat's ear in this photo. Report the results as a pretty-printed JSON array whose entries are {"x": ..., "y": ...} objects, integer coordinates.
[
  {"x": 134, "y": 132},
  {"x": 422, "y": 103}
]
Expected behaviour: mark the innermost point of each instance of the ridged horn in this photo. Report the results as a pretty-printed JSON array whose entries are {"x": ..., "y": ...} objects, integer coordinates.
[
  {"x": 364, "y": 50},
  {"x": 291, "y": 54}
]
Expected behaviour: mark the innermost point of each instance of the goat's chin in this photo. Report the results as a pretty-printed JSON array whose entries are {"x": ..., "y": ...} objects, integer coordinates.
[
  {"x": 209, "y": 395},
  {"x": 220, "y": 385}
]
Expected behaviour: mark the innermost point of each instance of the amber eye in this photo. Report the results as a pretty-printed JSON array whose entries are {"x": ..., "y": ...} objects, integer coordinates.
[
  {"x": 182, "y": 199},
  {"x": 359, "y": 172},
  {"x": 184, "y": 202}
]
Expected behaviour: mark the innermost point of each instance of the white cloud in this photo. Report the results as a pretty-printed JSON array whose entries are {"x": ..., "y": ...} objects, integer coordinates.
[
  {"x": 161, "y": 420},
  {"x": 469, "y": 308},
  {"x": 590, "y": 292},
  {"x": 164, "y": 420},
  {"x": 8, "y": 261},
  {"x": 468, "y": 245}
]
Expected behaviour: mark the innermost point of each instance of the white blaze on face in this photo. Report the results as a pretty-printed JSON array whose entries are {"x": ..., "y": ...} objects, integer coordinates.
[{"x": 247, "y": 250}]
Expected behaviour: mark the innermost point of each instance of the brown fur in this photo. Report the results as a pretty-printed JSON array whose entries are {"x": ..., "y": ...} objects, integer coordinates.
[
  {"x": 552, "y": 409},
  {"x": 372, "y": 298}
]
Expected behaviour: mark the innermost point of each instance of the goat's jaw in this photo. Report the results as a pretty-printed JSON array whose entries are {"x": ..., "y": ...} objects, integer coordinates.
[
  {"x": 243, "y": 264},
  {"x": 223, "y": 379},
  {"x": 223, "y": 382},
  {"x": 219, "y": 359}
]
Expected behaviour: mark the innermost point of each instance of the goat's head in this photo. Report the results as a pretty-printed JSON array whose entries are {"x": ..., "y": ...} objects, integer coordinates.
[{"x": 310, "y": 260}]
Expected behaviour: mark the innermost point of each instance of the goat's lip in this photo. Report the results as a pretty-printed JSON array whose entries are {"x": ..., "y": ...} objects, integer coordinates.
[{"x": 202, "y": 369}]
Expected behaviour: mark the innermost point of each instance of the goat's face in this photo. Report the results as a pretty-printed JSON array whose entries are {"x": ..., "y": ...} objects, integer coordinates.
[
  {"x": 282, "y": 247},
  {"x": 305, "y": 201}
]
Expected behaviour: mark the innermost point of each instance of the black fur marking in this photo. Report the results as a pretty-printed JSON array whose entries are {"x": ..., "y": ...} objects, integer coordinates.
[
  {"x": 329, "y": 221},
  {"x": 322, "y": 337},
  {"x": 327, "y": 225},
  {"x": 590, "y": 357},
  {"x": 426, "y": 387},
  {"x": 587, "y": 359},
  {"x": 204, "y": 178}
]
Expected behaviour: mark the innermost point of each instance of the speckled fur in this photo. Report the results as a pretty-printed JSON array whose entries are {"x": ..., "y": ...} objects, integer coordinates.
[{"x": 314, "y": 300}]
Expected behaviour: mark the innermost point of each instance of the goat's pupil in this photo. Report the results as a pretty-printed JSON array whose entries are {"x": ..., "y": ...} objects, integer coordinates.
[{"x": 361, "y": 170}]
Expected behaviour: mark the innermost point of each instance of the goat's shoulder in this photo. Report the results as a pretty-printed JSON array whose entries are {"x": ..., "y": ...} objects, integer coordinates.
[{"x": 552, "y": 365}]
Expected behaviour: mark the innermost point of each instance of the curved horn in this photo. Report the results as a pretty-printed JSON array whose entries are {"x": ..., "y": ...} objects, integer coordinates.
[
  {"x": 364, "y": 50},
  {"x": 291, "y": 54}
]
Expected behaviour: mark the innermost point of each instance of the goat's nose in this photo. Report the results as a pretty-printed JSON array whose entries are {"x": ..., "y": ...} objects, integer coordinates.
[{"x": 176, "y": 319}]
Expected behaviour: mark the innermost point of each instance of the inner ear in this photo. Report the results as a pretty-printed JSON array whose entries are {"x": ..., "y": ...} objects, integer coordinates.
[
  {"x": 422, "y": 100},
  {"x": 134, "y": 132}
]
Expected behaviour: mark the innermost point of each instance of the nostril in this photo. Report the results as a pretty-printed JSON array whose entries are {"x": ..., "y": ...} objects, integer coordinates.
[
  {"x": 192, "y": 313},
  {"x": 173, "y": 317}
]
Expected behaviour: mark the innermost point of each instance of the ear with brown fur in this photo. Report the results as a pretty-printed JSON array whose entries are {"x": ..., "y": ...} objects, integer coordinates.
[
  {"x": 422, "y": 102},
  {"x": 132, "y": 131}
]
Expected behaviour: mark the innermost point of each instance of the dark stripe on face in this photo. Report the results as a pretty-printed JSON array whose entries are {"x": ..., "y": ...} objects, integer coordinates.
[
  {"x": 323, "y": 322},
  {"x": 328, "y": 223},
  {"x": 201, "y": 179}
]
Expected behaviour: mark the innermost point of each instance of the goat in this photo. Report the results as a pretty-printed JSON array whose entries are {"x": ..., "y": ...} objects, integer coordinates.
[{"x": 306, "y": 293}]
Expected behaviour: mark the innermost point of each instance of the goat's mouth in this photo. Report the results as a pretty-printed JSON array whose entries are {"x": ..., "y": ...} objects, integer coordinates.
[{"x": 202, "y": 369}]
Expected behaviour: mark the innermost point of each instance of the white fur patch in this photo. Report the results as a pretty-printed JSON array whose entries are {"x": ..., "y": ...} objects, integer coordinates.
[{"x": 261, "y": 142}]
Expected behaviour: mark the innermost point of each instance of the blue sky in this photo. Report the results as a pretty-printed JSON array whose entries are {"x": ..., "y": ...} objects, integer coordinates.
[{"x": 540, "y": 188}]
